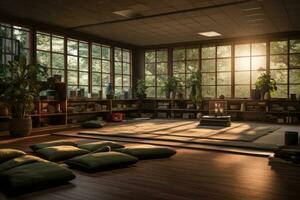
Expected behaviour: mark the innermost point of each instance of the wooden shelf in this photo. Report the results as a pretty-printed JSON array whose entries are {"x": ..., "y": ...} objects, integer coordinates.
[
  {"x": 52, "y": 114},
  {"x": 88, "y": 112}
]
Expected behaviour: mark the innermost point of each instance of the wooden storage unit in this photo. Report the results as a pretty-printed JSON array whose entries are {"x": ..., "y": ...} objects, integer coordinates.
[{"x": 79, "y": 110}]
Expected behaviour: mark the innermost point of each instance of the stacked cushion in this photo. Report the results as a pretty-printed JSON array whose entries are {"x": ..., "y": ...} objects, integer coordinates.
[
  {"x": 38, "y": 146},
  {"x": 93, "y": 146},
  {"x": 101, "y": 161},
  {"x": 147, "y": 151},
  {"x": 34, "y": 176},
  {"x": 59, "y": 153},
  {"x": 7, "y": 154}
]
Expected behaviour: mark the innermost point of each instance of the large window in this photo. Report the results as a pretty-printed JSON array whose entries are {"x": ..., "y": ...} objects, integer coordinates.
[
  {"x": 78, "y": 64},
  {"x": 294, "y": 71},
  {"x": 208, "y": 68},
  {"x": 250, "y": 62},
  {"x": 216, "y": 71},
  {"x": 279, "y": 66},
  {"x": 50, "y": 53},
  {"x": 101, "y": 65},
  {"x": 20, "y": 33},
  {"x": 156, "y": 72},
  {"x": 224, "y": 71},
  {"x": 185, "y": 62},
  {"x": 122, "y": 70}
]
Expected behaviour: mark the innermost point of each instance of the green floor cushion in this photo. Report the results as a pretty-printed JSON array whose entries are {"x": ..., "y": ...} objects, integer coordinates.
[
  {"x": 18, "y": 161},
  {"x": 101, "y": 161},
  {"x": 93, "y": 146},
  {"x": 7, "y": 154},
  {"x": 59, "y": 153},
  {"x": 103, "y": 149},
  {"x": 38, "y": 146},
  {"x": 92, "y": 124},
  {"x": 34, "y": 176},
  {"x": 148, "y": 152}
]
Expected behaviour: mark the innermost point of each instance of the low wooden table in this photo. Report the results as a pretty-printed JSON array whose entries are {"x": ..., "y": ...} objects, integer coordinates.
[{"x": 207, "y": 120}]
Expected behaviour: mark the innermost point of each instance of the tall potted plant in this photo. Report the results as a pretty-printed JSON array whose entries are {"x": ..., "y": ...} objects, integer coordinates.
[
  {"x": 171, "y": 87},
  {"x": 141, "y": 89},
  {"x": 195, "y": 85},
  {"x": 19, "y": 88},
  {"x": 266, "y": 84}
]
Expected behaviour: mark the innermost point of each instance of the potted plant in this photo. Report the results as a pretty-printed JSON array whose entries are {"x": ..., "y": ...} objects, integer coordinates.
[
  {"x": 266, "y": 84},
  {"x": 19, "y": 89},
  {"x": 109, "y": 91},
  {"x": 141, "y": 89},
  {"x": 195, "y": 84},
  {"x": 171, "y": 87}
]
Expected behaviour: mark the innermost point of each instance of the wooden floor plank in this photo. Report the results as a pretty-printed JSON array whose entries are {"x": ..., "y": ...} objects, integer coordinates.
[{"x": 190, "y": 174}]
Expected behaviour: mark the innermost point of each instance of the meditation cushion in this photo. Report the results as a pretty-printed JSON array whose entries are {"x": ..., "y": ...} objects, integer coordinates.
[
  {"x": 18, "y": 161},
  {"x": 38, "y": 146},
  {"x": 101, "y": 161},
  {"x": 92, "y": 124},
  {"x": 34, "y": 176},
  {"x": 59, "y": 153},
  {"x": 147, "y": 151},
  {"x": 7, "y": 154},
  {"x": 93, "y": 146},
  {"x": 103, "y": 149}
]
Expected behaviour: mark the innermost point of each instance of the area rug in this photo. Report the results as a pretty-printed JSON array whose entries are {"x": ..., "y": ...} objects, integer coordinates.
[
  {"x": 186, "y": 131},
  {"x": 245, "y": 133}
]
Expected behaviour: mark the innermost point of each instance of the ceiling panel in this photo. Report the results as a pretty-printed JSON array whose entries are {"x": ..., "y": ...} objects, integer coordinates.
[{"x": 251, "y": 18}]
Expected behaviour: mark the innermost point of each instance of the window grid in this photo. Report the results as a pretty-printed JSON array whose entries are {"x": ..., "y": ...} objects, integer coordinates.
[
  {"x": 156, "y": 72},
  {"x": 78, "y": 64},
  {"x": 122, "y": 70},
  {"x": 20, "y": 33},
  {"x": 184, "y": 65},
  {"x": 279, "y": 66},
  {"x": 101, "y": 67}
]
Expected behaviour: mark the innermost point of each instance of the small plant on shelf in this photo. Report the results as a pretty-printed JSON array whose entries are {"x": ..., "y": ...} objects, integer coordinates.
[
  {"x": 195, "y": 85},
  {"x": 266, "y": 84},
  {"x": 171, "y": 87},
  {"x": 19, "y": 88},
  {"x": 141, "y": 89}
]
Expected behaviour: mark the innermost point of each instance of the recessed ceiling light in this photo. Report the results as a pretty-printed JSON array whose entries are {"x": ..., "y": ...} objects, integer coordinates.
[{"x": 210, "y": 34}]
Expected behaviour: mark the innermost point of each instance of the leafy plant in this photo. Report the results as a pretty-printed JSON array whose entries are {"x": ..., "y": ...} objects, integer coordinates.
[
  {"x": 195, "y": 84},
  {"x": 141, "y": 89},
  {"x": 266, "y": 83},
  {"x": 20, "y": 86},
  {"x": 172, "y": 85}
]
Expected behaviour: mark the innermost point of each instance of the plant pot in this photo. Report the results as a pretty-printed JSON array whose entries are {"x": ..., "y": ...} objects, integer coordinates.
[
  {"x": 168, "y": 94},
  {"x": 267, "y": 96},
  {"x": 20, "y": 127},
  {"x": 173, "y": 95},
  {"x": 180, "y": 96},
  {"x": 109, "y": 96},
  {"x": 4, "y": 111}
]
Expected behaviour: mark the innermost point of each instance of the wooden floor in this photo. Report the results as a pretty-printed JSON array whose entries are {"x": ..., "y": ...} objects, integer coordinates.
[{"x": 188, "y": 175}]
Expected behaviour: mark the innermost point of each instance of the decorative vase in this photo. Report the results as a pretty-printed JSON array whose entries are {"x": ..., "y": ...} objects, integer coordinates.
[{"x": 20, "y": 127}]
